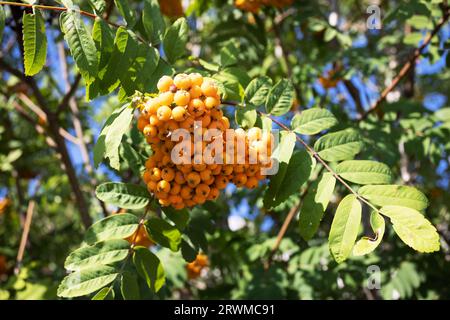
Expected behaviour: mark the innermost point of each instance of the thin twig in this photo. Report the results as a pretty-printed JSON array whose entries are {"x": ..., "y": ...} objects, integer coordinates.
[
  {"x": 25, "y": 233},
  {"x": 408, "y": 66}
]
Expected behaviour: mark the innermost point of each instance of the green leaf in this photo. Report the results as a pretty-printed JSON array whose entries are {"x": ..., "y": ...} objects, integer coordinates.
[
  {"x": 104, "y": 41},
  {"x": 229, "y": 55},
  {"x": 98, "y": 5},
  {"x": 257, "y": 90},
  {"x": 175, "y": 40},
  {"x": 289, "y": 178},
  {"x": 285, "y": 147},
  {"x": 364, "y": 172},
  {"x": 123, "y": 195},
  {"x": 81, "y": 45},
  {"x": 153, "y": 21},
  {"x": 126, "y": 11},
  {"x": 118, "y": 125},
  {"x": 86, "y": 281},
  {"x": 164, "y": 233},
  {"x": 313, "y": 121},
  {"x": 118, "y": 226},
  {"x": 101, "y": 253},
  {"x": 280, "y": 98},
  {"x": 344, "y": 228},
  {"x": 406, "y": 196},
  {"x": 188, "y": 252},
  {"x": 2, "y": 22},
  {"x": 179, "y": 217},
  {"x": 106, "y": 293},
  {"x": 34, "y": 42},
  {"x": 146, "y": 66},
  {"x": 245, "y": 116},
  {"x": 315, "y": 204},
  {"x": 366, "y": 245},
  {"x": 341, "y": 145},
  {"x": 413, "y": 228},
  {"x": 134, "y": 159},
  {"x": 149, "y": 267},
  {"x": 443, "y": 114},
  {"x": 129, "y": 286}
]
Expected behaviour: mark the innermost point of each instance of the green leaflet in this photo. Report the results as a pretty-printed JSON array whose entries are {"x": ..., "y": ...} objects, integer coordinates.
[
  {"x": 106, "y": 293},
  {"x": 118, "y": 226},
  {"x": 2, "y": 21},
  {"x": 344, "y": 228},
  {"x": 164, "y": 233},
  {"x": 179, "y": 217},
  {"x": 129, "y": 286},
  {"x": 153, "y": 21},
  {"x": 149, "y": 268},
  {"x": 413, "y": 228},
  {"x": 341, "y": 145},
  {"x": 34, "y": 42},
  {"x": 111, "y": 135},
  {"x": 126, "y": 12},
  {"x": 98, "y": 5},
  {"x": 289, "y": 179},
  {"x": 175, "y": 40},
  {"x": 101, "y": 253},
  {"x": 81, "y": 45},
  {"x": 364, "y": 172},
  {"x": 123, "y": 195},
  {"x": 257, "y": 90},
  {"x": 246, "y": 116},
  {"x": 406, "y": 196},
  {"x": 315, "y": 204},
  {"x": 366, "y": 245},
  {"x": 313, "y": 121},
  {"x": 86, "y": 281},
  {"x": 280, "y": 98}
]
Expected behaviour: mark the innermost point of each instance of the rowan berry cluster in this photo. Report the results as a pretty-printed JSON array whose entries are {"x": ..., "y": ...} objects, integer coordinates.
[
  {"x": 195, "y": 268},
  {"x": 255, "y": 5},
  {"x": 192, "y": 103}
]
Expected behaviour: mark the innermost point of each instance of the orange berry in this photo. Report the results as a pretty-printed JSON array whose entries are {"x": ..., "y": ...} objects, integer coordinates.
[
  {"x": 221, "y": 182},
  {"x": 152, "y": 106},
  {"x": 164, "y": 83},
  {"x": 196, "y": 79},
  {"x": 195, "y": 92},
  {"x": 240, "y": 179},
  {"x": 150, "y": 163},
  {"x": 155, "y": 174},
  {"x": 174, "y": 199},
  {"x": 211, "y": 102},
  {"x": 205, "y": 174},
  {"x": 150, "y": 131},
  {"x": 163, "y": 186},
  {"x": 199, "y": 166},
  {"x": 179, "y": 114},
  {"x": 251, "y": 183},
  {"x": 142, "y": 122},
  {"x": 227, "y": 169},
  {"x": 193, "y": 179},
  {"x": 209, "y": 88},
  {"x": 164, "y": 113},
  {"x": 199, "y": 199},
  {"x": 178, "y": 206},
  {"x": 164, "y": 202},
  {"x": 154, "y": 121},
  {"x": 175, "y": 188},
  {"x": 146, "y": 176},
  {"x": 140, "y": 238},
  {"x": 189, "y": 203},
  {"x": 202, "y": 190},
  {"x": 151, "y": 186},
  {"x": 186, "y": 192},
  {"x": 206, "y": 120},
  {"x": 166, "y": 98},
  {"x": 179, "y": 178},
  {"x": 182, "y": 98},
  {"x": 196, "y": 107},
  {"x": 188, "y": 124},
  {"x": 216, "y": 114},
  {"x": 168, "y": 174},
  {"x": 182, "y": 81},
  {"x": 186, "y": 168},
  {"x": 213, "y": 194},
  {"x": 225, "y": 122}
]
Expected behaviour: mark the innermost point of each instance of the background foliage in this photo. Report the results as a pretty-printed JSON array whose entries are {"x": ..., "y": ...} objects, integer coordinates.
[{"x": 375, "y": 95}]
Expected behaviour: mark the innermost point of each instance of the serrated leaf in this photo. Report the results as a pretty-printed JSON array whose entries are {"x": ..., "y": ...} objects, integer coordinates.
[
  {"x": 364, "y": 172},
  {"x": 366, "y": 245},
  {"x": 179, "y": 217},
  {"x": 149, "y": 268},
  {"x": 123, "y": 195},
  {"x": 313, "y": 121},
  {"x": 81, "y": 45},
  {"x": 289, "y": 179},
  {"x": 280, "y": 98},
  {"x": 175, "y": 40},
  {"x": 104, "y": 41},
  {"x": 134, "y": 159},
  {"x": 285, "y": 147},
  {"x": 257, "y": 90},
  {"x": 406, "y": 196},
  {"x": 86, "y": 281},
  {"x": 246, "y": 116},
  {"x": 106, "y": 293},
  {"x": 164, "y": 233},
  {"x": 34, "y": 42},
  {"x": 344, "y": 228},
  {"x": 229, "y": 55},
  {"x": 126, "y": 11},
  {"x": 129, "y": 286},
  {"x": 341, "y": 145},
  {"x": 315, "y": 204},
  {"x": 101, "y": 253},
  {"x": 98, "y": 5},
  {"x": 153, "y": 21},
  {"x": 413, "y": 228},
  {"x": 118, "y": 226}
]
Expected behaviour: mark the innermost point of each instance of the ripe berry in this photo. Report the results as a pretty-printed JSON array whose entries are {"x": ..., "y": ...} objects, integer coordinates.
[
  {"x": 193, "y": 179},
  {"x": 182, "y": 98},
  {"x": 166, "y": 98},
  {"x": 164, "y": 113},
  {"x": 182, "y": 81},
  {"x": 164, "y": 83},
  {"x": 163, "y": 186},
  {"x": 209, "y": 88},
  {"x": 196, "y": 79},
  {"x": 179, "y": 114},
  {"x": 196, "y": 107},
  {"x": 202, "y": 190}
]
